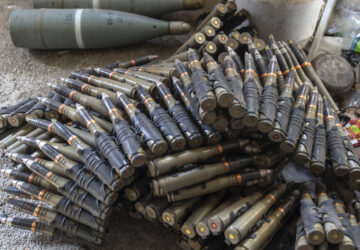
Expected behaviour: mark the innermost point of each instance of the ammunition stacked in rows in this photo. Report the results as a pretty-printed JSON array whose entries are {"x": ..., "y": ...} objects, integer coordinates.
[{"x": 197, "y": 142}]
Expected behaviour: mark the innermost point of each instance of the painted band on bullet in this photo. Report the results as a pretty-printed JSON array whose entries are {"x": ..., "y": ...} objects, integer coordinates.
[{"x": 77, "y": 27}]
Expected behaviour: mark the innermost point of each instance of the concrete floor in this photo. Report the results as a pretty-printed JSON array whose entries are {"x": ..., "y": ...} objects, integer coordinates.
[{"x": 25, "y": 72}]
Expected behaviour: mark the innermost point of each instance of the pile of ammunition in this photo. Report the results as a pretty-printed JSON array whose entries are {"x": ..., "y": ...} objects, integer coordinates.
[{"x": 196, "y": 143}]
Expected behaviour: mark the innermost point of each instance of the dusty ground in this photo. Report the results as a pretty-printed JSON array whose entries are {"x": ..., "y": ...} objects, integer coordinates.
[{"x": 24, "y": 73}]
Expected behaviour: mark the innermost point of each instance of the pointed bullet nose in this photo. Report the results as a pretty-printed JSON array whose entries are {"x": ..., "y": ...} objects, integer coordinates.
[
  {"x": 78, "y": 106},
  {"x": 229, "y": 49},
  {"x": 104, "y": 95},
  {"x": 178, "y": 27}
]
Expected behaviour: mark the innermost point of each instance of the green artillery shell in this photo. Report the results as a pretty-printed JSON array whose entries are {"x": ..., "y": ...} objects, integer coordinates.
[
  {"x": 139, "y": 7},
  {"x": 237, "y": 60},
  {"x": 218, "y": 11},
  {"x": 296, "y": 120},
  {"x": 144, "y": 75},
  {"x": 211, "y": 135},
  {"x": 124, "y": 134},
  {"x": 284, "y": 106},
  {"x": 310, "y": 217},
  {"x": 180, "y": 116},
  {"x": 55, "y": 219},
  {"x": 208, "y": 31},
  {"x": 289, "y": 62},
  {"x": 353, "y": 160},
  {"x": 178, "y": 211},
  {"x": 209, "y": 47},
  {"x": 163, "y": 71},
  {"x": 87, "y": 137},
  {"x": 17, "y": 193},
  {"x": 78, "y": 173},
  {"x": 216, "y": 184},
  {"x": 281, "y": 60},
  {"x": 143, "y": 126},
  {"x": 332, "y": 225},
  {"x": 241, "y": 226},
  {"x": 78, "y": 30},
  {"x": 89, "y": 89},
  {"x": 318, "y": 156},
  {"x": 202, "y": 173},
  {"x": 105, "y": 83},
  {"x": 280, "y": 77},
  {"x": 195, "y": 41},
  {"x": 68, "y": 151},
  {"x": 251, "y": 93},
  {"x": 222, "y": 219},
  {"x": 10, "y": 139},
  {"x": 37, "y": 111},
  {"x": 334, "y": 143},
  {"x": 106, "y": 145},
  {"x": 132, "y": 80},
  {"x": 50, "y": 113},
  {"x": 208, "y": 204},
  {"x": 137, "y": 61},
  {"x": 162, "y": 120},
  {"x": 221, "y": 88},
  {"x": 182, "y": 56},
  {"x": 29, "y": 178},
  {"x": 259, "y": 61},
  {"x": 156, "y": 207},
  {"x": 271, "y": 225},
  {"x": 296, "y": 63},
  {"x": 201, "y": 84},
  {"x": 17, "y": 117},
  {"x": 269, "y": 158},
  {"x": 186, "y": 81},
  {"x": 26, "y": 149},
  {"x": 88, "y": 101},
  {"x": 62, "y": 205},
  {"x": 73, "y": 115},
  {"x": 238, "y": 107},
  {"x": 137, "y": 189},
  {"x": 347, "y": 242},
  {"x": 70, "y": 190},
  {"x": 269, "y": 98},
  {"x": 306, "y": 140},
  {"x": 313, "y": 76},
  {"x": 90, "y": 158},
  {"x": 199, "y": 114},
  {"x": 36, "y": 132},
  {"x": 172, "y": 162}
]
